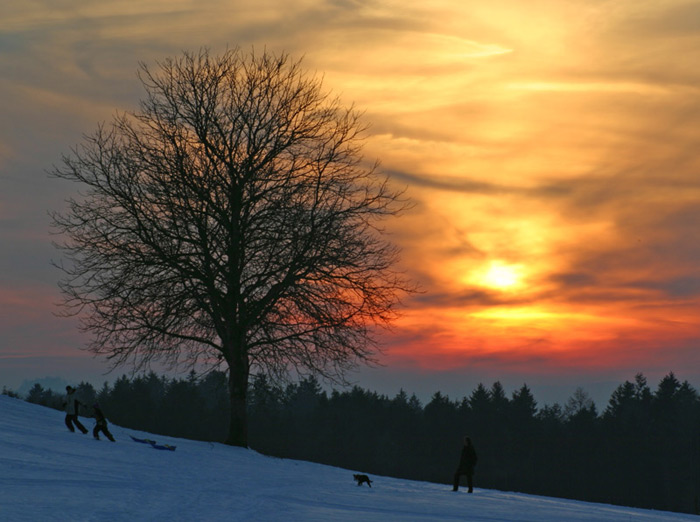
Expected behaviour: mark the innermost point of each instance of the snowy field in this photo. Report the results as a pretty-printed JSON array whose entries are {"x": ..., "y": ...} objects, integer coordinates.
[{"x": 48, "y": 473}]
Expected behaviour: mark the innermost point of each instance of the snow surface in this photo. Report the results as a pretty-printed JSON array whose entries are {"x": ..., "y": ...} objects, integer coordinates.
[{"x": 48, "y": 473}]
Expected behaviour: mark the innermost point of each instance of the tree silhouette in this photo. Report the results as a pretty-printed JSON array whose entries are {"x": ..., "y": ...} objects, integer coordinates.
[{"x": 230, "y": 222}]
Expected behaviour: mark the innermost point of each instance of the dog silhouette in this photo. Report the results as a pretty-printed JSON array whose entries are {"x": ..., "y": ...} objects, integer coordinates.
[{"x": 361, "y": 479}]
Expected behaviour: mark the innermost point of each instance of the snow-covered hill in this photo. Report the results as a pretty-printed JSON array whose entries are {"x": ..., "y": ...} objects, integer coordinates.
[{"x": 48, "y": 473}]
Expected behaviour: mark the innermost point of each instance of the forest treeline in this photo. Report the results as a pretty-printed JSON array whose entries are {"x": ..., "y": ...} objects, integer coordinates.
[{"x": 642, "y": 450}]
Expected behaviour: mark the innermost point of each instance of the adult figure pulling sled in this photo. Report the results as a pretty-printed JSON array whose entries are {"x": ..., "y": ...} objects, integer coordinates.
[{"x": 72, "y": 406}]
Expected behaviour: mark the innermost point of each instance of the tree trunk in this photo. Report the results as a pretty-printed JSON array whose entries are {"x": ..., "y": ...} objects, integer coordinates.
[{"x": 238, "y": 390}]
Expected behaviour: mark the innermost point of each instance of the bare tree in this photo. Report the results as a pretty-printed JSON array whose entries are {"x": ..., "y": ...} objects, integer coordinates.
[
  {"x": 580, "y": 403},
  {"x": 231, "y": 221}
]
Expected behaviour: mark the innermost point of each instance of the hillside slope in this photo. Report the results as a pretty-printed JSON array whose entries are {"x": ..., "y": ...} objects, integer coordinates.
[{"x": 50, "y": 474}]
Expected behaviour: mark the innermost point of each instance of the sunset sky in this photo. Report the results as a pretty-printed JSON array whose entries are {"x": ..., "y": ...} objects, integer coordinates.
[{"x": 551, "y": 149}]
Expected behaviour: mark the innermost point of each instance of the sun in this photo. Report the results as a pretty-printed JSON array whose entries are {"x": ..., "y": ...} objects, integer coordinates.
[{"x": 501, "y": 275}]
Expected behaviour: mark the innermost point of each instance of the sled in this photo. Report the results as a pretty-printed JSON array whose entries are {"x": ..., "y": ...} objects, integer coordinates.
[
  {"x": 167, "y": 447},
  {"x": 143, "y": 441}
]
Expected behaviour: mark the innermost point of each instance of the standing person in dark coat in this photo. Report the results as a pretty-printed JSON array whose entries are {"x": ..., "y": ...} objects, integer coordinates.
[
  {"x": 72, "y": 405},
  {"x": 101, "y": 424},
  {"x": 467, "y": 461}
]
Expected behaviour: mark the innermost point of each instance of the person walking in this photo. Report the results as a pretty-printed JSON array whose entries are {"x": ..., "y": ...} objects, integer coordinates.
[
  {"x": 72, "y": 406},
  {"x": 467, "y": 462},
  {"x": 101, "y": 424}
]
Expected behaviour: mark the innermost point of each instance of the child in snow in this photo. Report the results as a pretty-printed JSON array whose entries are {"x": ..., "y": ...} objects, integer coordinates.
[
  {"x": 101, "y": 424},
  {"x": 71, "y": 406}
]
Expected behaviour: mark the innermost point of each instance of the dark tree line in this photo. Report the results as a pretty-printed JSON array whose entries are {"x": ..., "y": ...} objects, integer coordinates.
[{"x": 643, "y": 450}]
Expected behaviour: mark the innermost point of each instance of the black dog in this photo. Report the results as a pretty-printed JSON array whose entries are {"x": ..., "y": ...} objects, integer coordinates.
[{"x": 361, "y": 479}]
